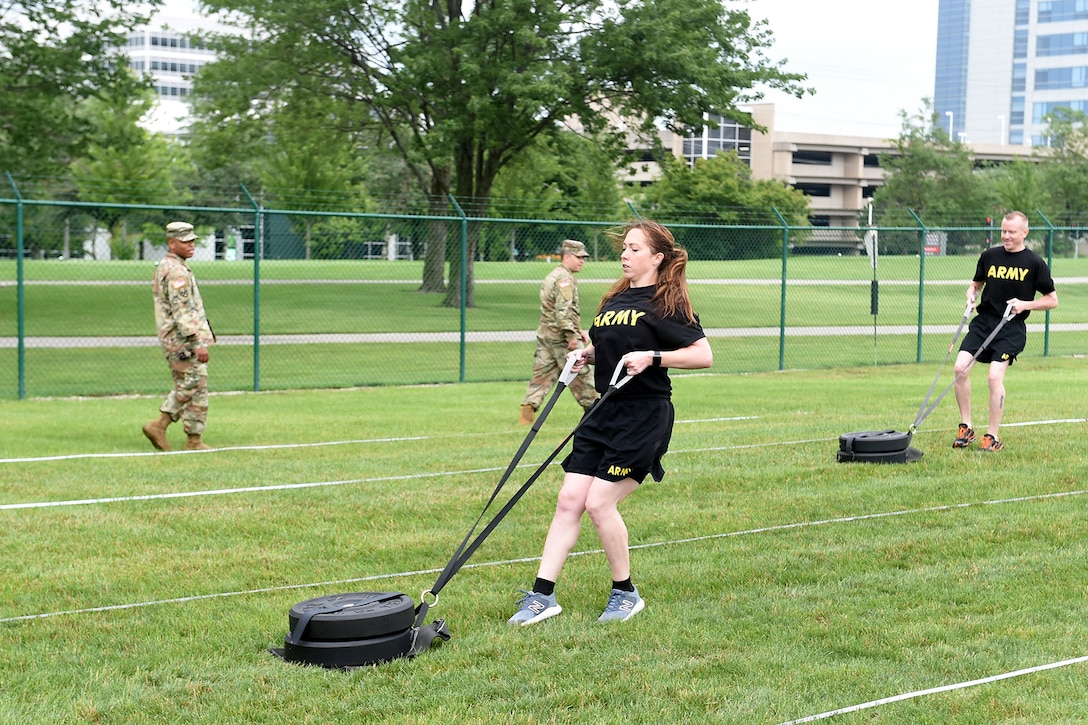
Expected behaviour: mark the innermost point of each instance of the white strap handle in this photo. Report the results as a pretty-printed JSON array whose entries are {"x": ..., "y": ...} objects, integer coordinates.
[{"x": 568, "y": 375}]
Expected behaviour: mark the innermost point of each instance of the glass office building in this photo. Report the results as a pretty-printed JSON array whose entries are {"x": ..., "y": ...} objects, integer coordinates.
[{"x": 1003, "y": 65}]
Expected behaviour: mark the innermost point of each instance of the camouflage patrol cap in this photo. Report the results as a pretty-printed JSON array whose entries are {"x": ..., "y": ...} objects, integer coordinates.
[
  {"x": 570, "y": 246},
  {"x": 181, "y": 231}
]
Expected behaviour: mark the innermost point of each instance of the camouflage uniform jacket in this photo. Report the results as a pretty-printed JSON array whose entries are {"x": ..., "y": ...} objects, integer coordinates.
[
  {"x": 559, "y": 315},
  {"x": 179, "y": 312}
]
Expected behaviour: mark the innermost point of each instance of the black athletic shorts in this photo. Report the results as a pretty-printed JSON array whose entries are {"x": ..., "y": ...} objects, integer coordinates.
[
  {"x": 1009, "y": 342},
  {"x": 626, "y": 438}
]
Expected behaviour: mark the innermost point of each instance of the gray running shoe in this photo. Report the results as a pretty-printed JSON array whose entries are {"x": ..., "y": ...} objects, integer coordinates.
[
  {"x": 622, "y": 606},
  {"x": 535, "y": 607}
]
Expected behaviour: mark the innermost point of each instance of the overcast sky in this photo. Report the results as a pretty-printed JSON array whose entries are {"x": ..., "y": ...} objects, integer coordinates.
[{"x": 867, "y": 59}]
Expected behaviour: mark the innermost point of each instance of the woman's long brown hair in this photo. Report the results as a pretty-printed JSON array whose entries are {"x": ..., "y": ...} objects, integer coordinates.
[{"x": 671, "y": 296}]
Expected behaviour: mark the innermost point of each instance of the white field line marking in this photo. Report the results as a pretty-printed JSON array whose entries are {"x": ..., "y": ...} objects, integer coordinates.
[
  {"x": 504, "y": 562},
  {"x": 1044, "y": 422},
  {"x": 363, "y": 441},
  {"x": 243, "y": 489},
  {"x": 942, "y": 688},
  {"x": 343, "y": 482},
  {"x": 269, "y": 447},
  {"x": 405, "y": 477},
  {"x": 289, "y": 446}
]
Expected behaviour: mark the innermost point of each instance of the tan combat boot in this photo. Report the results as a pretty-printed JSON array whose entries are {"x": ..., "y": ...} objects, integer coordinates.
[
  {"x": 156, "y": 431},
  {"x": 195, "y": 444},
  {"x": 527, "y": 414}
]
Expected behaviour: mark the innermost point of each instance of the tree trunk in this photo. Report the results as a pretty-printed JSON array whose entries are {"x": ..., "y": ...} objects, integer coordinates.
[
  {"x": 453, "y": 290},
  {"x": 434, "y": 263},
  {"x": 475, "y": 176}
]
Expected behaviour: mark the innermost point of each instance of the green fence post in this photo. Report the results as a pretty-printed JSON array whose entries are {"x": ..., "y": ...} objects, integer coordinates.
[
  {"x": 258, "y": 244},
  {"x": 782, "y": 301},
  {"x": 1049, "y": 263},
  {"x": 20, "y": 303},
  {"x": 464, "y": 276},
  {"x": 921, "y": 278}
]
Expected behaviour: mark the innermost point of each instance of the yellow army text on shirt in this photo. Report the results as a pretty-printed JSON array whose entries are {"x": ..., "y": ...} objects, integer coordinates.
[
  {"x": 559, "y": 312},
  {"x": 179, "y": 311}
]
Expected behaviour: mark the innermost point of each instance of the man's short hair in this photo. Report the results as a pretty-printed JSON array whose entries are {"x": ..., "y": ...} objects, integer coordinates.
[{"x": 1018, "y": 216}]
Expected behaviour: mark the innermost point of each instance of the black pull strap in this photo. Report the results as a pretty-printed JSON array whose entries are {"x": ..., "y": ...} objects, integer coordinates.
[
  {"x": 925, "y": 411},
  {"x": 449, "y": 571},
  {"x": 465, "y": 550},
  {"x": 951, "y": 346}
]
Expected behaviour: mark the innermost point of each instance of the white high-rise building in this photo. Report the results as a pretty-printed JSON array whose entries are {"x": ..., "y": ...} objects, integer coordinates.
[
  {"x": 1002, "y": 65},
  {"x": 164, "y": 50}
]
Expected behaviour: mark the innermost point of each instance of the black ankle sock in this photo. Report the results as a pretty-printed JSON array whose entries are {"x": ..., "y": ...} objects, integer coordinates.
[
  {"x": 624, "y": 586},
  {"x": 543, "y": 586}
]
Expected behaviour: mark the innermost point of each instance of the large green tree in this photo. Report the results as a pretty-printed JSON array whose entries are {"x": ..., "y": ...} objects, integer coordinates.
[
  {"x": 291, "y": 145},
  {"x": 1021, "y": 184},
  {"x": 936, "y": 178},
  {"x": 929, "y": 173},
  {"x": 124, "y": 163},
  {"x": 300, "y": 152},
  {"x": 564, "y": 177},
  {"x": 721, "y": 191},
  {"x": 1065, "y": 172},
  {"x": 461, "y": 89},
  {"x": 307, "y": 166},
  {"x": 53, "y": 55}
]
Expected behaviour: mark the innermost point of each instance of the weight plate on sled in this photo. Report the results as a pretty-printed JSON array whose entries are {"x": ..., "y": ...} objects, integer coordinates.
[
  {"x": 353, "y": 616},
  {"x": 874, "y": 441},
  {"x": 352, "y": 653},
  {"x": 907, "y": 455}
]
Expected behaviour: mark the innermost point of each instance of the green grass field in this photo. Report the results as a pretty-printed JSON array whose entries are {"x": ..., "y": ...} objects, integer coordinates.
[
  {"x": 83, "y": 299},
  {"x": 144, "y": 587}
]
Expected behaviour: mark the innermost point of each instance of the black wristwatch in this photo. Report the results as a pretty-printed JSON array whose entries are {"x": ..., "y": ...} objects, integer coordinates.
[{"x": 657, "y": 359}]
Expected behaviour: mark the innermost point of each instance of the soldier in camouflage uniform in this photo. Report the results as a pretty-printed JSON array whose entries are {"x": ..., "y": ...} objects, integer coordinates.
[
  {"x": 560, "y": 331},
  {"x": 185, "y": 335}
]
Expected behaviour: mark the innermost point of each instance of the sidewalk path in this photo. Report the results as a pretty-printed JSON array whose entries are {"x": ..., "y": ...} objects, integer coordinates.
[{"x": 525, "y": 336}]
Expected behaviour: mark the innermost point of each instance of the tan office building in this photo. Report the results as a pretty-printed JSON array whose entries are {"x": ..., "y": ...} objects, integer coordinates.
[{"x": 838, "y": 173}]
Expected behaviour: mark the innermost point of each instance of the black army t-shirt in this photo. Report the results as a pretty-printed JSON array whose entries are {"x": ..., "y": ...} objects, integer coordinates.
[
  {"x": 628, "y": 322},
  {"x": 1006, "y": 275}
]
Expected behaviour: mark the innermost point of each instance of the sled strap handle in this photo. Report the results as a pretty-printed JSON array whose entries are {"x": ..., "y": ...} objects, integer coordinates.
[
  {"x": 951, "y": 346},
  {"x": 565, "y": 378},
  {"x": 924, "y": 413},
  {"x": 463, "y": 553},
  {"x": 422, "y": 637},
  {"x": 463, "y": 557}
]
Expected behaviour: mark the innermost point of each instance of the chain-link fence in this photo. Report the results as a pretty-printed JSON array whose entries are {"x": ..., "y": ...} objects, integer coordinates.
[{"x": 304, "y": 299}]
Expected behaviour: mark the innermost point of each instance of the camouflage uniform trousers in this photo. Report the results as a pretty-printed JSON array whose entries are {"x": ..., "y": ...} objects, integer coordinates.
[
  {"x": 189, "y": 398},
  {"x": 550, "y": 359}
]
